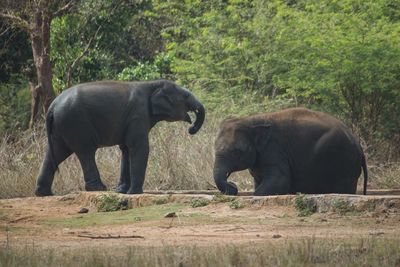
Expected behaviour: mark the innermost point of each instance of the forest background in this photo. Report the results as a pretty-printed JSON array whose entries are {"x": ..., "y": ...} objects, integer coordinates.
[{"x": 238, "y": 57}]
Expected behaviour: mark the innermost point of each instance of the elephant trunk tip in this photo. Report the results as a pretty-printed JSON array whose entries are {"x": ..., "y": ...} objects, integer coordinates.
[
  {"x": 225, "y": 187},
  {"x": 200, "y": 115}
]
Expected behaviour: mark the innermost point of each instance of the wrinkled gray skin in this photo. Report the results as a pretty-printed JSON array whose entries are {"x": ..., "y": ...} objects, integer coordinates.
[
  {"x": 291, "y": 151},
  {"x": 92, "y": 115}
]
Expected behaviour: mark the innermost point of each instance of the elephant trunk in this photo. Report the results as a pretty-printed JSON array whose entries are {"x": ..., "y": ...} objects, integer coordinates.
[
  {"x": 198, "y": 108},
  {"x": 221, "y": 175}
]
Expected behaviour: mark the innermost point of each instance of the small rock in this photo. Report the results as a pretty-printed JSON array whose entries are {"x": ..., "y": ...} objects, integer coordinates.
[
  {"x": 170, "y": 215},
  {"x": 123, "y": 204},
  {"x": 83, "y": 210},
  {"x": 276, "y": 236}
]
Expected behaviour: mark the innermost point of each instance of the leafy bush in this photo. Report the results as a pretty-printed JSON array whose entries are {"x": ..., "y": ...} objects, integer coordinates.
[
  {"x": 107, "y": 202},
  {"x": 304, "y": 206},
  {"x": 14, "y": 105},
  {"x": 147, "y": 71},
  {"x": 221, "y": 198},
  {"x": 343, "y": 206},
  {"x": 199, "y": 202},
  {"x": 161, "y": 200},
  {"x": 235, "y": 204}
]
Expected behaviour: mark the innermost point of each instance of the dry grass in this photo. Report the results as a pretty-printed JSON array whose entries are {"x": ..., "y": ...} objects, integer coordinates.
[
  {"x": 307, "y": 252},
  {"x": 177, "y": 161}
]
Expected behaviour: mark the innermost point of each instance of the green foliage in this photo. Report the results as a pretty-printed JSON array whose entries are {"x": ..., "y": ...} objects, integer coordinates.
[
  {"x": 340, "y": 57},
  {"x": 304, "y": 206},
  {"x": 107, "y": 202},
  {"x": 343, "y": 57},
  {"x": 14, "y": 105},
  {"x": 221, "y": 198},
  {"x": 199, "y": 202},
  {"x": 239, "y": 57},
  {"x": 161, "y": 200},
  {"x": 343, "y": 206},
  {"x": 147, "y": 71},
  {"x": 235, "y": 204},
  {"x": 147, "y": 213},
  {"x": 232, "y": 202},
  {"x": 100, "y": 39}
]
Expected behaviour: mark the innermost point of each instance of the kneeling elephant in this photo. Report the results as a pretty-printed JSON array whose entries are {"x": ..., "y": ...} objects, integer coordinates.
[{"x": 292, "y": 151}]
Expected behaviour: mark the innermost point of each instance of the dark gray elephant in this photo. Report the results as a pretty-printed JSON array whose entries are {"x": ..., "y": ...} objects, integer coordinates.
[
  {"x": 291, "y": 151},
  {"x": 92, "y": 115}
]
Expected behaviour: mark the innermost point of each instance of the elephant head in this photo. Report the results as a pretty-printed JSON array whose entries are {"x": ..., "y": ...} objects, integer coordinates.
[
  {"x": 236, "y": 150},
  {"x": 172, "y": 103}
]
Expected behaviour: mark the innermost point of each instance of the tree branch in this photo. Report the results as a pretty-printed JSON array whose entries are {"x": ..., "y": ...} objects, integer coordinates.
[
  {"x": 76, "y": 61},
  {"x": 65, "y": 9},
  {"x": 17, "y": 21}
]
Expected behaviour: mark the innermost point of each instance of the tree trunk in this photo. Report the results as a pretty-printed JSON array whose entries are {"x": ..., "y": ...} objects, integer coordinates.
[
  {"x": 43, "y": 93},
  {"x": 35, "y": 101}
]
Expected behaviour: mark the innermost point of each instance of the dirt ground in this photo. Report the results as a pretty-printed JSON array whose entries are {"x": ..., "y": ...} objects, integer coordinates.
[{"x": 55, "y": 222}]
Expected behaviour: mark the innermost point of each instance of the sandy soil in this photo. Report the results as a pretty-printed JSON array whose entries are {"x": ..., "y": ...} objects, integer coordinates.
[{"x": 26, "y": 221}]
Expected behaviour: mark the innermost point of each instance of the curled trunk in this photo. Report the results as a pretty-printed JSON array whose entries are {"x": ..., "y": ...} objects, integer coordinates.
[
  {"x": 221, "y": 175},
  {"x": 198, "y": 109}
]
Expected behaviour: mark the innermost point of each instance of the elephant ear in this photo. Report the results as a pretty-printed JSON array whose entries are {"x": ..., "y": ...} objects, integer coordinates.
[
  {"x": 261, "y": 133},
  {"x": 161, "y": 104}
]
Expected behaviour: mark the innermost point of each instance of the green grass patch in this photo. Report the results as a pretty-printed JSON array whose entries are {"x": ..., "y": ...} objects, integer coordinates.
[
  {"x": 343, "y": 207},
  {"x": 12, "y": 229},
  {"x": 221, "y": 198},
  {"x": 108, "y": 202},
  {"x": 199, "y": 202},
  {"x": 235, "y": 204},
  {"x": 3, "y": 215},
  {"x": 304, "y": 205},
  {"x": 161, "y": 200},
  {"x": 148, "y": 213}
]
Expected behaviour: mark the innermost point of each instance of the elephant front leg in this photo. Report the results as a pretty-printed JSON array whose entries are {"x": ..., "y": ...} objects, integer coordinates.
[
  {"x": 137, "y": 166},
  {"x": 125, "y": 180},
  {"x": 274, "y": 181}
]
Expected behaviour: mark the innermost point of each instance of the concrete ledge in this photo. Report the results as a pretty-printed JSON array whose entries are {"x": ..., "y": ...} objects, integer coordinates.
[{"x": 323, "y": 203}]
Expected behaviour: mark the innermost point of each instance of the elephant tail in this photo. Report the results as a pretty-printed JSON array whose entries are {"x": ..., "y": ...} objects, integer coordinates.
[
  {"x": 365, "y": 171},
  {"x": 49, "y": 130}
]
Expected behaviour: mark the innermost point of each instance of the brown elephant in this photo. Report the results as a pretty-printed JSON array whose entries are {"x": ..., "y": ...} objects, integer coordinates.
[
  {"x": 97, "y": 114},
  {"x": 296, "y": 150}
]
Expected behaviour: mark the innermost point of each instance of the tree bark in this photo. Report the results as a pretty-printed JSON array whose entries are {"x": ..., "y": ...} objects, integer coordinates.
[
  {"x": 43, "y": 93},
  {"x": 35, "y": 18},
  {"x": 35, "y": 101}
]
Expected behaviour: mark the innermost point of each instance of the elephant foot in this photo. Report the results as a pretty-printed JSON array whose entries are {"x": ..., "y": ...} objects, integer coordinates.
[
  {"x": 122, "y": 188},
  {"x": 95, "y": 187},
  {"x": 43, "y": 192},
  {"x": 231, "y": 189},
  {"x": 134, "y": 191}
]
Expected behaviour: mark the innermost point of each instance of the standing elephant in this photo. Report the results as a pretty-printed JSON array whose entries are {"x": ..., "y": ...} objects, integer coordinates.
[
  {"x": 97, "y": 114},
  {"x": 291, "y": 151}
]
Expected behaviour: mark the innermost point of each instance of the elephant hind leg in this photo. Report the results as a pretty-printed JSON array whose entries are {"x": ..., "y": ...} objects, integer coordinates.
[
  {"x": 343, "y": 185},
  {"x": 90, "y": 171},
  {"x": 50, "y": 164}
]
